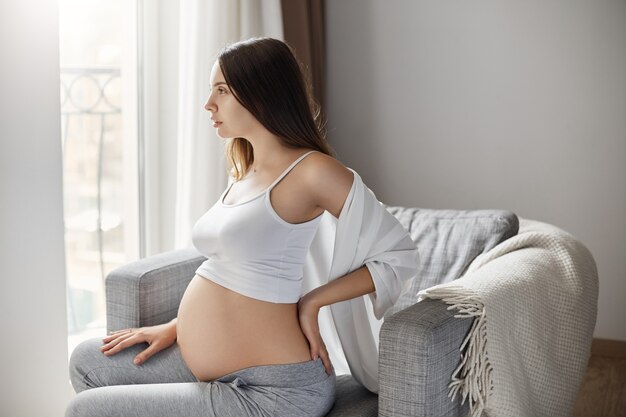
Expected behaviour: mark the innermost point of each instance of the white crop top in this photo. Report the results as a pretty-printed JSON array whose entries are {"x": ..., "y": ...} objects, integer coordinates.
[{"x": 251, "y": 249}]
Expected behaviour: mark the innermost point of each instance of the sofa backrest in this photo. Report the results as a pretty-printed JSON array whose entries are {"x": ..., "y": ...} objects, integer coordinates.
[{"x": 448, "y": 241}]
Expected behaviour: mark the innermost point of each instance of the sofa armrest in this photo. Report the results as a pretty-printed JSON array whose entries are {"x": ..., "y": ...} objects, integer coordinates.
[
  {"x": 148, "y": 291},
  {"x": 419, "y": 350}
]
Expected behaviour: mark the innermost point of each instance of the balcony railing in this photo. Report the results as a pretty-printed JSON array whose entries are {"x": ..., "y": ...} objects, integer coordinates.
[{"x": 93, "y": 200}]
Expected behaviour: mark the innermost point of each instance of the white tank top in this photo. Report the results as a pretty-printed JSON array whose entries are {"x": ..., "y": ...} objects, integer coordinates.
[{"x": 251, "y": 249}]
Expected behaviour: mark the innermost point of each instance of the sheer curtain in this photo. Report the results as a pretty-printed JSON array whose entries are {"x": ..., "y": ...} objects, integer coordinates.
[{"x": 206, "y": 27}]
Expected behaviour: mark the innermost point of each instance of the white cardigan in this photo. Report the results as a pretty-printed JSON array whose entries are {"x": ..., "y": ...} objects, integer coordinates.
[{"x": 364, "y": 234}]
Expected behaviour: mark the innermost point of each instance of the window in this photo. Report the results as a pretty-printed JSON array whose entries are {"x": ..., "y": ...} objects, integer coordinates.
[{"x": 99, "y": 123}]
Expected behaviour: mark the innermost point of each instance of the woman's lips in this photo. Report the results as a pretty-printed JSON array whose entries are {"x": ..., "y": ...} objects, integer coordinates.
[{"x": 216, "y": 124}]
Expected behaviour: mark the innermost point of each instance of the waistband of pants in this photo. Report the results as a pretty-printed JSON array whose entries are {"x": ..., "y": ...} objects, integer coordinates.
[{"x": 297, "y": 374}]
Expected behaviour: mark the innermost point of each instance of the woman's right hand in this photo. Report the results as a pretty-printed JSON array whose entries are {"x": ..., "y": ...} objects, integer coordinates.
[{"x": 158, "y": 337}]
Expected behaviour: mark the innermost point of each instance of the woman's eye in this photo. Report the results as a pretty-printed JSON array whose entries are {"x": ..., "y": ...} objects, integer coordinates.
[{"x": 221, "y": 90}]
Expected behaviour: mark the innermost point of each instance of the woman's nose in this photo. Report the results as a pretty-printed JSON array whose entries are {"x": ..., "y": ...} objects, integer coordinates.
[{"x": 210, "y": 104}]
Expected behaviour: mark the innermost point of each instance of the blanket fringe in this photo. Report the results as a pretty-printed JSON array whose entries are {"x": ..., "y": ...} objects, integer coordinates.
[{"x": 473, "y": 375}]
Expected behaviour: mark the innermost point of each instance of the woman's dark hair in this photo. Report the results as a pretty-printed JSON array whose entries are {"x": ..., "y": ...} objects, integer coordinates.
[{"x": 267, "y": 79}]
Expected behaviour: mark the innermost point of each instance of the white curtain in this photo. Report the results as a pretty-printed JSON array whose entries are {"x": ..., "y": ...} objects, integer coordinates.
[{"x": 205, "y": 27}]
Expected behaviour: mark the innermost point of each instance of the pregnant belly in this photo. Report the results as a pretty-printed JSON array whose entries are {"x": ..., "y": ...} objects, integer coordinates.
[{"x": 220, "y": 331}]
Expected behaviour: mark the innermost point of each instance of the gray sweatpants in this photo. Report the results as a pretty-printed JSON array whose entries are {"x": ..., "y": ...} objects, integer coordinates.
[{"x": 110, "y": 386}]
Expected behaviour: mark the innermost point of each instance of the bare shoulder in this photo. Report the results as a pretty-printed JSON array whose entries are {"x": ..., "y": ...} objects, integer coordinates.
[{"x": 329, "y": 182}]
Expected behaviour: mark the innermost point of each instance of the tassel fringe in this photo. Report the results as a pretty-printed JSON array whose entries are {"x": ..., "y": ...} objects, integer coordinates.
[{"x": 472, "y": 378}]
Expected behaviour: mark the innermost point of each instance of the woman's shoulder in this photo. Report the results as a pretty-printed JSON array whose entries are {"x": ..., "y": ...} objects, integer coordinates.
[
  {"x": 329, "y": 181},
  {"x": 323, "y": 167}
]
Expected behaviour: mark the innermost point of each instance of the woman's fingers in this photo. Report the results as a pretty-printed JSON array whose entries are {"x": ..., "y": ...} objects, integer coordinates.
[
  {"x": 121, "y": 331},
  {"x": 112, "y": 335},
  {"x": 143, "y": 356},
  {"x": 322, "y": 353},
  {"x": 327, "y": 364},
  {"x": 117, "y": 343},
  {"x": 316, "y": 351}
]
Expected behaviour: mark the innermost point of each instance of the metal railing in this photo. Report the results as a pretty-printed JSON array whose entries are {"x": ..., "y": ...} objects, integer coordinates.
[{"x": 85, "y": 93}]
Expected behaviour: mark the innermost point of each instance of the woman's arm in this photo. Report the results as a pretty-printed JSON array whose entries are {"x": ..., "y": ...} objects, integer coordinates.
[
  {"x": 355, "y": 284},
  {"x": 330, "y": 183}
]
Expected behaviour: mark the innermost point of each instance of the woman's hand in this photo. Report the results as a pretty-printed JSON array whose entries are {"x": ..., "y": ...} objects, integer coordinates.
[
  {"x": 158, "y": 337},
  {"x": 307, "y": 314}
]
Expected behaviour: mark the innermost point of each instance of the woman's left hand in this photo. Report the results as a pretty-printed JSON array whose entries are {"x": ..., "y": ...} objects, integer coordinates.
[{"x": 307, "y": 314}]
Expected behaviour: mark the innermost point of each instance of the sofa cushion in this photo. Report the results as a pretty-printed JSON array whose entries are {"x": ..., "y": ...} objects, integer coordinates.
[
  {"x": 448, "y": 241},
  {"x": 353, "y": 399}
]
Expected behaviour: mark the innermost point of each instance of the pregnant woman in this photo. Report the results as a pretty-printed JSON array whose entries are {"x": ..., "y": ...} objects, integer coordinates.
[{"x": 244, "y": 343}]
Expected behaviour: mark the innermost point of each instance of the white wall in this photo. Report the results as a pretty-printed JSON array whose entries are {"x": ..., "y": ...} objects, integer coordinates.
[
  {"x": 33, "y": 322},
  {"x": 519, "y": 105}
]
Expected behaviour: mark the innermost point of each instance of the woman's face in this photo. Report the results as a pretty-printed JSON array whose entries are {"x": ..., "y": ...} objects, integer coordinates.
[{"x": 235, "y": 120}]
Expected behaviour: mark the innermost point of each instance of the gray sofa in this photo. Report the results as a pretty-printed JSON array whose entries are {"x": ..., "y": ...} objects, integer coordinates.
[{"x": 419, "y": 343}]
